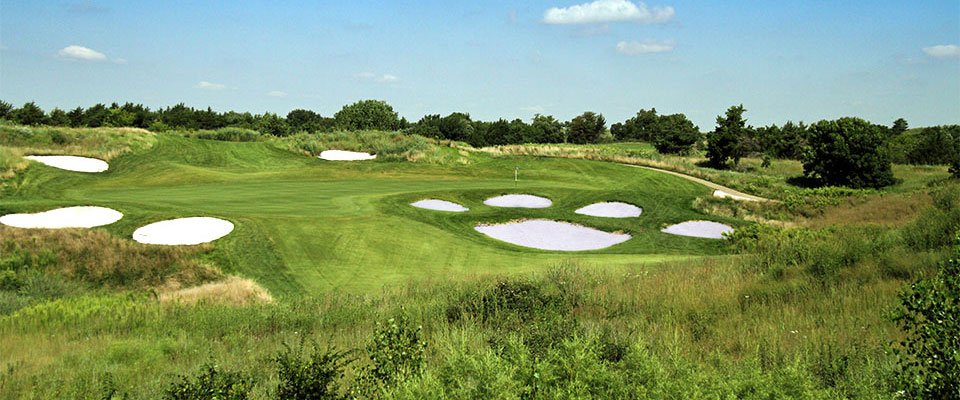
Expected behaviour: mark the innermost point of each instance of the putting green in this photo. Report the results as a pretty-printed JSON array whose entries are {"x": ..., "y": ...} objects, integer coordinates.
[{"x": 307, "y": 225}]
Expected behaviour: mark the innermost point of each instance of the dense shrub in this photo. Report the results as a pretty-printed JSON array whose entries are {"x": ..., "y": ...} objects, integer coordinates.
[
  {"x": 314, "y": 376},
  {"x": 211, "y": 383},
  {"x": 367, "y": 114},
  {"x": 396, "y": 354},
  {"x": 848, "y": 152}
]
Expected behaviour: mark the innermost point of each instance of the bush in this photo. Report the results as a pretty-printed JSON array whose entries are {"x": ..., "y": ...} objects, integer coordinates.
[
  {"x": 314, "y": 376},
  {"x": 396, "y": 354},
  {"x": 848, "y": 152},
  {"x": 210, "y": 383},
  {"x": 367, "y": 114},
  {"x": 227, "y": 135}
]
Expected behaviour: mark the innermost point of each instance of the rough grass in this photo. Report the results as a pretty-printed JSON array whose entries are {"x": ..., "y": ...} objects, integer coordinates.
[
  {"x": 390, "y": 146},
  {"x": 231, "y": 291}
]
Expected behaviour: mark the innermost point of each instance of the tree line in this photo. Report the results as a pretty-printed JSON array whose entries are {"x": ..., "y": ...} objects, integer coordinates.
[{"x": 848, "y": 151}]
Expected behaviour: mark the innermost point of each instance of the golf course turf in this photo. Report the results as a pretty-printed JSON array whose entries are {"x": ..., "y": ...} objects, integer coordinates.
[{"x": 304, "y": 225}]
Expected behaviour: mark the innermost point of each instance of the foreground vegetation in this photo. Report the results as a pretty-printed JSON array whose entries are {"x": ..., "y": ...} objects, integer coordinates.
[{"x": 374, "y": 299}]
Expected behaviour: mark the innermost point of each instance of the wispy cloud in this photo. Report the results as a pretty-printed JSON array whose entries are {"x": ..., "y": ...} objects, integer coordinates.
[
  {"x": 210, "y": 86},
  {"x": 601, "y": 11},
  {"x": 943, "y": 51},
  {"x": 75, "y": 52},
  {"x": 645, "y": 47},
  {"x": 276, "y": 93},
  {"x": 380, "y": 78}
]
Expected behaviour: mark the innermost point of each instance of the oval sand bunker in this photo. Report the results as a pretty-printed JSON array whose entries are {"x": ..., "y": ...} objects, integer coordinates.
[
  {"x": 613, "y": 209},
  {"x": 552, "y": 235},
  {"x": 69, "y": 217},
  {"x": 439, "y": 205},
  {"x": 519, "y": 201},
  {"x": 343, "y": 155},
  {"x": 701, "y": 229},
  {"x": 183, "y": 231},
  {"x": 72, "y": 163}
]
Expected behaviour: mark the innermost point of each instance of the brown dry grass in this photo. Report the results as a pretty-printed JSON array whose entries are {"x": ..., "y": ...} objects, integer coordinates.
[
  {"x": 888, "y": 209},
  {"x": 233, "y": 291}
]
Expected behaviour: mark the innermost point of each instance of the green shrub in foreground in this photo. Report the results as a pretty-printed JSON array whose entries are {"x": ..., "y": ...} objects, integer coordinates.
[
  {"x": 211, "y": 383},
  {"x": 314, "y": 376}
]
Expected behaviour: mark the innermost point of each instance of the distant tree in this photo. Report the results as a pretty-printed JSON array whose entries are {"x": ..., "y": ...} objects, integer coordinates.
[
  {"x": 76, "y": 117},
  {"x": 641, "y": 127},
  {"x": 179, "y": 116},
  {"x": 272, "y": 124},
  {"x": 899, "y": 126},
  {"x": 5, "y": 109},
  {"x": 546, "y": 129},
  {"x": 120, "y": 117},
  {"x": 617, "y": 130},
  {"x": 675, "y": 134},
  {"x": 520, "y": 132},
  {"x": 934, "y": 145},
  {"x": 725, "y": 143},
  {"x": 456, "y": 126},
  {"x": 428, "y": 126},
  {"x": 96, "y": 116},
  {"x": 848, "y": 152},
  {"x": 497, "y": 133},
  {"x": 29, "y": 114},
  {"x": 301, "y": 120},
  {"x": 208, "y": 119},
  {"x": 586, "y": 128},
  {"x": 367, "y": 114},
  {"x": 58, "y": 118}
]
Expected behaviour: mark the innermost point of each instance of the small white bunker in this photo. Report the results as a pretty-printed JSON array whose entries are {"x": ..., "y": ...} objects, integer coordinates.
[
  {"x": 69, "y": 217},
  {"x": 610, "y": 209},
  {"x": 343, "y": 155},
  {"x": 552, "y": 235},
  {"x": 183, "y": 231},
  {"x": 439, "y": 205},
  {"x": 519, "y": 201},
  {"x": 701, "y": 229},
  {"x": 72, "y": 163}
]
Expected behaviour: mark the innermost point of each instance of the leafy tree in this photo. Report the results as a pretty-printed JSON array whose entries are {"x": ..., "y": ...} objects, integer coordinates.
[
  {"x": 272, "y": 124},
  {"x": 456, "y": 126},
  {"x": 179, "y": 116},
  {"x": 301, "y": 120},
  {"x": 96, "y": 116},
  {"x": 29, "y": 114},
  {"x": 76, "y": 117},
  {"x": 5, "y": 109},
  {"x": 725, "y": 143},
  {"x": 929, "y": 314},
  {"x": 848, "y": 152},
  {"x": 58, "y": 118},
  {"x": 428, "y": 126},
  {"x": 675, "y": 134},
  {"x": 935, "y": 145},
  {"x": 546, "y": 129},
  {"x": 899, "y": 126},
  {"x": 120, "y": 117},
  {"x": 586, "y": 128},
  {"x": 497, "y": 133},
  {"x": 642, "y": 126},
  {"x": 367, "y": 114}
]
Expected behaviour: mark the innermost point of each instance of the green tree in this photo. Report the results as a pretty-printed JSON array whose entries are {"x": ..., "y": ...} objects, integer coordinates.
[
  {"x": 428, "y": 126},
  {"x": 367, "y": 114},
  {"x": 120, "y": 117},
  {"x": 456, "y": 126},
  {"x": 675, "y": 134},
  {"x": 929, "y": 314},
  {"x": 58, "y": 118},
  {"x": 273, "y": 124},
  {"x": 935, "y": 145},
  {"x": 586, "y": 128},
  {"x": 546, "y": 129},
  {"x": 848, "y": 152},
  {"x": 76, "y": 117},
  {"x": 642, "y": 126},
  {"x": 96, "y": 116},
  {"x": 29, "y": 114},
  {"x": 725, "y": 143},
  {"x": 301, "y": 120},
  {"x": 5, "y": 109},
  {"x": 899, "y": 126}
]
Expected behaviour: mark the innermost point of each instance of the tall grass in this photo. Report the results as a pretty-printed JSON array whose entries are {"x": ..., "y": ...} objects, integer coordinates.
[{"x": 393, "y": 146}]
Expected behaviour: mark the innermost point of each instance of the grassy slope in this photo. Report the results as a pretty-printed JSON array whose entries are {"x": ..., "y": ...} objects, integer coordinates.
[{"x": 305, "y": 225}]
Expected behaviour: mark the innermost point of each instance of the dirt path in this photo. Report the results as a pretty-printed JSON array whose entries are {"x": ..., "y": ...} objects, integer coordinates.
[{"x": 719, "y": 190}]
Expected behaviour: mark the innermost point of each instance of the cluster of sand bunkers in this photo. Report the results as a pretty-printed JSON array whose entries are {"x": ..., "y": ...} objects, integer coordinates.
[
  {"x": 564, "y": 236},
  {"x": 535, "y": 233}
]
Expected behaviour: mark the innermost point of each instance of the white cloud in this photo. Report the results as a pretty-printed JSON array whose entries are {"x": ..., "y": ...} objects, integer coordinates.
[
  {"x": 276, "y": 93},
  {"x": 210, "y": 86},
  {"x": 943, "y": 51},
  {"x": 608, "y": 11},
  {"x": 644, "y": 47},
  {"x": 381, "y": 78},
  {"x": 75, "y": 52}
]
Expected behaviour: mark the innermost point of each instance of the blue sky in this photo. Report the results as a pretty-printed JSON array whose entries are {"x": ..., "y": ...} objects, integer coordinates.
[{"x": 784, "y": 60}]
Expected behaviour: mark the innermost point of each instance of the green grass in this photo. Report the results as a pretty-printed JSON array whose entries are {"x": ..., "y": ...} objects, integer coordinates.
[{"x": 306, "y": 226}]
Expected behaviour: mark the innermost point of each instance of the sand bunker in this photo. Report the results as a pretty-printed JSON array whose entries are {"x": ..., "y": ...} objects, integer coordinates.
[
  {"x": 552, "y": 235},
  {"x": 721, "y": 194},
  {"x": 613, "y": 209},
  {"x": 702, "y": 229},
  {"x": 72, "y": 163},
  {"x": 343, "y": 155},
  {"x": 439, "y": 205},
  {"x": 518, "y": 200},
  {"x": 183, "y": 231},
  {"x": 69, "y": 217}
]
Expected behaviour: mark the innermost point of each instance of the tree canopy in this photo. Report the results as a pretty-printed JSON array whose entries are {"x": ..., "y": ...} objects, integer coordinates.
[{"x": 848, "y": 152}]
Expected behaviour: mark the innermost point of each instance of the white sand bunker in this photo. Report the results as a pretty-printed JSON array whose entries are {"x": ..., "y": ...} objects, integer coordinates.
[
  {"x": 552, "y": 235},
  {"x": 702, "y": 229},
  {"x": 612, "y": 209},
  {"x": 343, "y": 155},
  {"x": 721, "y": 194},
  {"x": 72, "y": 163},
  {"x": 183, "y": 231},
  {"x": 439, "y": 205},
  {"x": 69, "y": 217},
  {"x": 518, "y": 200}
]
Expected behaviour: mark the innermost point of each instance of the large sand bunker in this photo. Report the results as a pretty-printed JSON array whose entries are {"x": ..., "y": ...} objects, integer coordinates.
[
  {"x": 552, "y": 235},
  {"x": 701, "y": 229},
  {"x": 518, "y": 200},
  {"x": 69, "y": 217},
  {"x": 343, "y": 155},
  {"x": 72, "y": 163},
  {"x": 613, "y": 209},
  {"x": 183, "y": 231},
  {"x": 439, "y": 205}
]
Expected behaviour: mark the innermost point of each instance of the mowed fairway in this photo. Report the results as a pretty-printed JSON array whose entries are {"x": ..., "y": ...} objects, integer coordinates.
[{"x": 307, "y": 225}]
